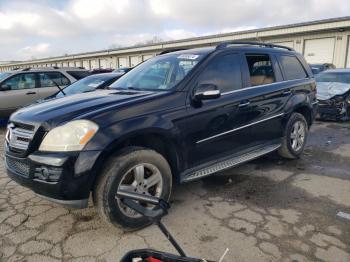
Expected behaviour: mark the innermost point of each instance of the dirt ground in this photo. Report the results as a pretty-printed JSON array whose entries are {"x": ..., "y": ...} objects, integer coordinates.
[{"x": 266, "y": 210}]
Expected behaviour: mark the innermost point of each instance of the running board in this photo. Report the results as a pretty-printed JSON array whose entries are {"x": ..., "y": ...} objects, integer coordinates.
[{"x": 231, "y": 162}]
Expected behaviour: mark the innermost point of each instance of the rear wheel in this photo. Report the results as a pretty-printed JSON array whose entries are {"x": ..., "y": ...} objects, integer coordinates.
[
  {"x": 136, "y": 170},
  {"x": 295, "y": 136}
]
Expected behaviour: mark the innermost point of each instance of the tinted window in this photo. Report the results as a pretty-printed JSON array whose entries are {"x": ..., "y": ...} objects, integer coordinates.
[
  {"x": 224, "y": 72},
  {"x": 21, "y": 81},
  {"x": 78, "y": 74},
  {"x": 49, "y": 79},
  {"x": 260, "y": 70},
  {"x": 292, "y": 68}
]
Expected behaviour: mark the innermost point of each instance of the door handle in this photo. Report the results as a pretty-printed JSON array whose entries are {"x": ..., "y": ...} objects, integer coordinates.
[
  {"x": 30, "y": 93},
  {"x": 244, "y": 104},
  {"x": 287, "y": 92}
]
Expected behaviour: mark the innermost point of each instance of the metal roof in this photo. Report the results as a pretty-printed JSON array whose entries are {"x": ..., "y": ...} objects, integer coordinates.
[{"x": 339, "y": 23}]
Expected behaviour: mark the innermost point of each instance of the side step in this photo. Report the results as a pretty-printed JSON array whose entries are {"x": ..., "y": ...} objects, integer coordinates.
[{"x": 231, "y": 162}]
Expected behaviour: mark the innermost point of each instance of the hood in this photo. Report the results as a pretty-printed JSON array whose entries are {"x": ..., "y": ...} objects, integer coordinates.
[
  {"x": 77, "y": 106},
  {"x": 327, "y": 90}
]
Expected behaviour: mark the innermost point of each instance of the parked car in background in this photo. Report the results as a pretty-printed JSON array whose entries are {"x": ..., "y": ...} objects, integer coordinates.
[
  {"x": 100, "y": 70},
  {"x": 333, "y": 94},
  {"x": 177, "y": 117},
  {"x": 318, "y": 68},
  {"x": 88, "y": 84},
  {"x": 22, "y": 87},
  {"x": 122, "y": 70}
]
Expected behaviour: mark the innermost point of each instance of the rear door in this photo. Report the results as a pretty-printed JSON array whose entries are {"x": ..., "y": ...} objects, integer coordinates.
[
  {"x": 47, "y": 86},
  {"x": 266, "y": 97},
  {"x": 22, "y": 92}
]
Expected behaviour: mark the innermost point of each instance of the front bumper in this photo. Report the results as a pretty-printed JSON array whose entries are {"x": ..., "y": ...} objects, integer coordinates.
[{"x": 65, "y": 178}]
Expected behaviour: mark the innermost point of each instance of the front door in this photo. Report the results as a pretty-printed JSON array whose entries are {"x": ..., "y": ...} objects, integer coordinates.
[
  {"x": 212, "y": 129},
  {"x": 22, "y": 92}
]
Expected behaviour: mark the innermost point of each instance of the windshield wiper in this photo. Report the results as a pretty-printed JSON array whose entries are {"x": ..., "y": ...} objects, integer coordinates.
[{"x": 61, "y": 90}]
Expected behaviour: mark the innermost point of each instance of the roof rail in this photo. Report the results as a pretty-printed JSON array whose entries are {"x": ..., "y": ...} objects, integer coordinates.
[
  {"x": 234, "y": 42},
  {"x": 171, "y": 50}
]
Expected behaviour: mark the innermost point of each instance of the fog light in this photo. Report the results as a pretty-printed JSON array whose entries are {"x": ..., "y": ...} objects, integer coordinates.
[{"x": 48, "y": 174}]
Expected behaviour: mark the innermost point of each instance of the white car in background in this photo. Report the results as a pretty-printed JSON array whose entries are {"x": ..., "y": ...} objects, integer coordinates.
[{"x": 22, "y": 87}]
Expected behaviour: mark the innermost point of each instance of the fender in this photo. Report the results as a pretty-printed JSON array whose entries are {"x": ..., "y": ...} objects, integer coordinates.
[{"x": 295, "y": 103}]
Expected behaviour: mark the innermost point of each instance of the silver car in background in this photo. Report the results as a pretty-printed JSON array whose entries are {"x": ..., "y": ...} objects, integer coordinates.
[{"x": 22, "y": 87}]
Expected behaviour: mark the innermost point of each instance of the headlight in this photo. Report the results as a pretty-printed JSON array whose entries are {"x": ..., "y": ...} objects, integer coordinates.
[{"x": 72, "y": 136}]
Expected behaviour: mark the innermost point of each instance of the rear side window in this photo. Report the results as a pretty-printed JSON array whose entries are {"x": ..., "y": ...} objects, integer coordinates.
[
  {"x": 292, "y": 68},
  {"x": 260, "y": 69},
  {"x": 224, "y": 72},
  {"x": 79, "y": 74},
  {"x": 49, "y": 79}
]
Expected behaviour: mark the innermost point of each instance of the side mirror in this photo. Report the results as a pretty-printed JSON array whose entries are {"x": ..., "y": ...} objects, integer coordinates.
[
  {"x": 206, "y": 92},
  {"x": 5, "y": 87}
]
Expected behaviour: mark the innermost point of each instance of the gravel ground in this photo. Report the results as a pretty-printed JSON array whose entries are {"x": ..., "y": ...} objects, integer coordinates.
[{"x": 266, "y": 210}]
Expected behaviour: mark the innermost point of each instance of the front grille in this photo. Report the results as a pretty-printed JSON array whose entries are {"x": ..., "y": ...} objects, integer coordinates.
[
  {"x": 19, "y": 166},
  {"x": 19, "y": 137}
]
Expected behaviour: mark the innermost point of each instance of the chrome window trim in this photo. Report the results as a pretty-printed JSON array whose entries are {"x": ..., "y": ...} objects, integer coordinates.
[
  {"x": 259, "y": 86},
  {"x": 239, "y": 128}
]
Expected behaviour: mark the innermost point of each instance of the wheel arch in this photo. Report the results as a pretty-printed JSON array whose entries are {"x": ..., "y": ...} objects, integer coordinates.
[{"x": 154, "y": 139}]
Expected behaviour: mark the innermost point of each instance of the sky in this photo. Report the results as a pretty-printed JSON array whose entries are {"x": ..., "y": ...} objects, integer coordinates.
[{"x": 45, "y": 28}]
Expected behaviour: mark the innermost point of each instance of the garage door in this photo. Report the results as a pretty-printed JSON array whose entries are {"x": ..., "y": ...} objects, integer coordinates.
[
  {"x": 94, "y": 64},
  {"x": 134, "y": 61},
  {"x": 103, "y": 63},
  {"x": 86, "y": 64},
  {"x": 286, "y": 43},
  {"x": 319, "y": 50},
  {"x": 348, "y": 58},
  {"x": 122, "y": 62},
  {"x": 78, "y": 63}
]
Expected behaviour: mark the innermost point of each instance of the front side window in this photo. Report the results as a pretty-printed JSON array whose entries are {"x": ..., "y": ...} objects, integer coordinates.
[
  {"x": 159, "y": 73},
  {"x": 21, "y": 81},
  {"x": 49, "y": 79},
  {"x": 260, "y": 69},
  {"x": 292, "y": 68},
  {"x": 224, "y": 72}
]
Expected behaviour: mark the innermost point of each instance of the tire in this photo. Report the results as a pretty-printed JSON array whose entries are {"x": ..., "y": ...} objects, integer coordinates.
[
  {"x": 116, "y": 172},
  {"x": 288, "y": 148}
]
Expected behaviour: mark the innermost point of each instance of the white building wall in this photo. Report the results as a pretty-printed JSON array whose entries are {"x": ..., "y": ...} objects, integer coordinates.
[{"x": 295, "y": 37}]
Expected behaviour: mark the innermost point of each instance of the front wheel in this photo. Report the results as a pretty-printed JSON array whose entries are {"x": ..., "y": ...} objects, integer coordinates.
[
  {"x": 295, "y": 135},
  {"x": 137, "y": 170}
]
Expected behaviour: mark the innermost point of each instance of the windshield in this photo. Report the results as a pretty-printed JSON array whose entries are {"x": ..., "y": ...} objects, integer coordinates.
[
  {"x": 87, "y": 84},
  {"x": 3, "y": 75},
  {"x": 159, "y": 73},
  {"x": 334, "y": 77}
]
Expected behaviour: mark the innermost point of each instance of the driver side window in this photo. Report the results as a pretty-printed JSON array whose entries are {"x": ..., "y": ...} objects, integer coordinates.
[
  {"x": 21, "y": 81},
  {"x": 224, "y": 72}
]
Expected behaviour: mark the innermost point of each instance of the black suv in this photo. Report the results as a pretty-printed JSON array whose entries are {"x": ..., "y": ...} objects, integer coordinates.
[{"x": 177, "y": 117}]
